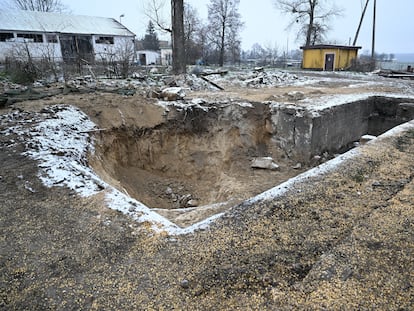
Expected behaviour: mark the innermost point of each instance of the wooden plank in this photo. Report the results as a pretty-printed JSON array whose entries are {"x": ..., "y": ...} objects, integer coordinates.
[{"x": 212, "y": 83}]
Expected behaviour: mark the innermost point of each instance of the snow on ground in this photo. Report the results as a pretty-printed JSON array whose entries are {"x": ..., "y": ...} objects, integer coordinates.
[
  {"x": 241, "y": 78},
  {"x": 328, "y": 101},
  {"x": 60, "y": 142},
  {"x": 324, "y": 168},
  {"x": 259, "y": 79},
  {"x": 58, "y": 137}
]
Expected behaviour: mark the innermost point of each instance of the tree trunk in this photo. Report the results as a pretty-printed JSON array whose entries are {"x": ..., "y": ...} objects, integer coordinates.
[
  {"x": 312, "y": 4},
  {"x": 222, "y": 43},
  {"x": 177, "y": 36}
]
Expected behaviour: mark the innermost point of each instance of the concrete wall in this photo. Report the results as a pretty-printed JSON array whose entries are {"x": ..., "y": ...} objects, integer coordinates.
[
  {"x": 304, "y": 133},
  {"x": 146, "y": 57},
  {"x": 122, "y": 48},
  {"x": 336, "y": 127},
  {"x": 37, "y": 50}
]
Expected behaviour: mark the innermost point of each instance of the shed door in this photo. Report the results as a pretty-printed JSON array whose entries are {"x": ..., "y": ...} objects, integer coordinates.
[
  {"x": 143, "y": 59},
  {"x": 329, "y": 62}
]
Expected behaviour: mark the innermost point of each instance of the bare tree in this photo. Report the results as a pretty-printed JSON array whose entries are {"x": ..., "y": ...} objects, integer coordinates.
[
  {"x": 234, "y": 45},
  {"x": 224, "y": 25},
  {"x": 125, "y": 53},
  {"x": 192, "y": 33},
  {"x": 272, "y": 52},
  {"x": 21, "y": 64},
  {"x": 203, "y": 41},
  {"x": 154, "y": 10},
  {"x": 256, "y": 51},
  {"x": 311, "y": 15},
  {"x": 39, "y": 5}
]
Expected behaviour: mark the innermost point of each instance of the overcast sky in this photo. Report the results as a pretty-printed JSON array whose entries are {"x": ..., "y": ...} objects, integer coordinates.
[{"x": 267, "y": 26}]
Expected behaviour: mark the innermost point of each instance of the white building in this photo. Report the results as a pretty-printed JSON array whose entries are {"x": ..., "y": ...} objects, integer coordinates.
[
  {"x": 71, "y": 38},
  {"x": 146, "y": 57},
  {"x": 166, "y": 56}
]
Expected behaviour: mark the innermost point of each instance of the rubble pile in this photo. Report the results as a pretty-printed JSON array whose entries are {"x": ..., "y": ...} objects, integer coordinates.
[
  {"x": 149, "y": 84},
  {"x": 262, "y": 78},
  {"x": 258, "y": 78}
]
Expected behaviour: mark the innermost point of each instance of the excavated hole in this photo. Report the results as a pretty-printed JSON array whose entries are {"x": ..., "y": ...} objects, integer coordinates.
[
  {"x": 198, "y": 162},
  {"x": 194, "y": 165}
]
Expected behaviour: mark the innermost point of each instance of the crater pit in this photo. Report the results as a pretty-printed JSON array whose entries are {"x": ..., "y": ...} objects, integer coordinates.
[{"x": 196, "y": 162}]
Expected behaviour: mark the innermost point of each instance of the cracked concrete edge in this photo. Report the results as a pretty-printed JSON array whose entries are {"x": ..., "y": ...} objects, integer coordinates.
[
  {"x": 330, "y": 166},
  {"x": 294, "y": 184}
]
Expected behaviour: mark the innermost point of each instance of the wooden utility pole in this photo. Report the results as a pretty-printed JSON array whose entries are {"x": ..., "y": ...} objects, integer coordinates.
[
  {"x": 373, "y": 31},
  {"x": 360, "y": 23}
]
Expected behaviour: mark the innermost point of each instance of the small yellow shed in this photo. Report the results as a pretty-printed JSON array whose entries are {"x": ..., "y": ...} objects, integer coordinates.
[{"x": 328, "y": 57}]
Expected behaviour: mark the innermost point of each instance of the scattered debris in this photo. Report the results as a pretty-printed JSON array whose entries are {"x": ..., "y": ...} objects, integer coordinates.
[
  {"x": 219, "y": 72},
  {"x": 397, "y": 74},
  {"x": 264, "y": 163},
  {"x": 366, "y": 138},
  {"x": 185, "y": 284},
  {"x": 172, "y": 94},
  {"x": 27, "y": 186},
  {"x": 295, "y": 96},
  {"x": 212, "y": 83},
  {"x": 297, "y": 166}
]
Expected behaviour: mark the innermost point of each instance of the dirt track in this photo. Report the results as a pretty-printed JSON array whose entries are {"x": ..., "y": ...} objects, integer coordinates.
[{"x": 341, "y": 241}]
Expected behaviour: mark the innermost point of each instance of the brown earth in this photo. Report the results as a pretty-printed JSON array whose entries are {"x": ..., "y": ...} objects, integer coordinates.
[
  {"x": 343, "y": 240},
  {"x": 141, "y": 152}
]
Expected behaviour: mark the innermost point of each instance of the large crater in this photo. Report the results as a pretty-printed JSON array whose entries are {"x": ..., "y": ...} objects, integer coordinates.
[{"x": 197, "y": 161}]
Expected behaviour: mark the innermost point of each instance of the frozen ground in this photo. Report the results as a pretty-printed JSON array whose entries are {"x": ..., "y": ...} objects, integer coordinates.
[
  {"x": 60, "y": 138},
  {"x": 336, "y": 237}
]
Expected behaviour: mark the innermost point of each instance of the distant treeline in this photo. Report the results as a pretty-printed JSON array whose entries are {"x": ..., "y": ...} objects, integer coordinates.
[{"x": 404, "y": 57}]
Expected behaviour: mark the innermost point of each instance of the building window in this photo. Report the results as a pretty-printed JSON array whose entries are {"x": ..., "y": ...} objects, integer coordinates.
[
  {"x": 6, "y": 36},
  {"x": 105, "y": 40},
  {"x": 30, "y": 37},
  {"x": 51, "y": 39}
]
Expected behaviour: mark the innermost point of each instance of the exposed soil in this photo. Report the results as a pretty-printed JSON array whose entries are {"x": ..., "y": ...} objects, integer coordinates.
[
  {"x": 194, "y": 163},
  {"x": 343, "y": 240}
]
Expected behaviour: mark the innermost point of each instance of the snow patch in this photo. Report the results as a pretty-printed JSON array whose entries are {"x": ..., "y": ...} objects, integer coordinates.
[
  {"x": 322, "y": 169},
  {"x": 60, "y": 142},
  {"x": 329, "y": 101},
  {"x": 61, "y": 145}
]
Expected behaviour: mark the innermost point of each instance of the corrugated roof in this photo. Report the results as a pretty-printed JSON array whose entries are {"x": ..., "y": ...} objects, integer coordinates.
[{"x": 60, "y": 23}]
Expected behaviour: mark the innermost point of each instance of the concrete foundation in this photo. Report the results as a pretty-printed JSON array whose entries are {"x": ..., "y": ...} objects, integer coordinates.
[{"x": 303, "y": 133}]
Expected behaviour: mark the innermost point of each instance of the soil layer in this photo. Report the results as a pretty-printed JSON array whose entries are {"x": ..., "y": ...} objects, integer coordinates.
[{"x": 343, "y": 240}]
